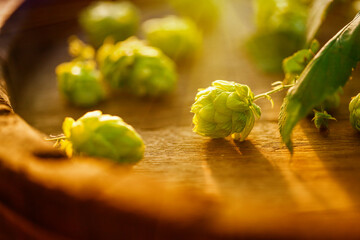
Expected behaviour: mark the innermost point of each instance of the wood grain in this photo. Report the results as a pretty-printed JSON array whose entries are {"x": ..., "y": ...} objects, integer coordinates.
[
  {"x": 187, "y": 186},
  {"x": 7, "y": 8}
]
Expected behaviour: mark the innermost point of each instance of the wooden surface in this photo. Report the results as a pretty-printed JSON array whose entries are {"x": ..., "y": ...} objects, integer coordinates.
[{"x": 187, "y": 186}]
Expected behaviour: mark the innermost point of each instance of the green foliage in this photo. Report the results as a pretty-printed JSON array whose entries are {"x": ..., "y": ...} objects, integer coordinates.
[
  {"x": 176, "y": 37},
  {"x": 354, "y": 108},
  {"x": 102, "y": 19},
  {"x": 136, "y": 67},
  {"x": 101, "y": 135},
  {"x": 225, "y": 108},
  {"x": 294, "y": 65},
  {"x": 322, "y": 77},
  {"x": 331, "y": 102},
  {"x": 80, "y": 83}
]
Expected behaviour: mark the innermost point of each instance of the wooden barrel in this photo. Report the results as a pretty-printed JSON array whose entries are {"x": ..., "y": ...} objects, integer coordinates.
[{"x": 186, "y": 187}]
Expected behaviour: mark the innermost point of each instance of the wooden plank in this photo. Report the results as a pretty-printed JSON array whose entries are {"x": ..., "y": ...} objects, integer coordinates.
[
  {"x": 7, "y": 8},
  {"x": 187, "y": 186}
]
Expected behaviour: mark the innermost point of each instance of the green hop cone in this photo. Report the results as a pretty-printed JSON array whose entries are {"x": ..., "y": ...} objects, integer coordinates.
[
  {"x": 354, "y": 108},
  {"x": 176, "y": 37},
  {"x": 152, "y": 76},
  {"x": 136, "y": 67},
  {"x": 100, "y": 20},
  {"x": 80, "y": 83},
  {"x": 115, "y": 61},
  {"x": 225, "y": 108},
  {"x": 102, "y": 135},
  {"x": 281, "y": 30}
]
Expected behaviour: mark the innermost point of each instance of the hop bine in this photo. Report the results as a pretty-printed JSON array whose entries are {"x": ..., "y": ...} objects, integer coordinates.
[
  {"x": 295, "y": 64},
  {"x": 293, "y": 67}
]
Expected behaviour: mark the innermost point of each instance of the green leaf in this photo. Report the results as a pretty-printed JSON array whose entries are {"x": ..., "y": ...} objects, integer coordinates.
[
  {"x": 317, "y": 14},
  {"x": 314, "y": 46},
  {"x": 298, "y": 61},
  {"x": 329, "y": 70},
  {"x": 295, "y": 64}
]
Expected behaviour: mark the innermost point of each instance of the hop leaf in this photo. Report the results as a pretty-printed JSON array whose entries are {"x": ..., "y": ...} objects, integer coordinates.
[
  {"x": 225, "y": 108},
  {"x": 100, "y": 20},
  {"x": 141, "y": 69},
  {"x": 330, "y": 69},
  {"x": 80, "y": 83},
  {"x": 294, "y": 65},
  {"x": 176, "y": 37},
  {"x": 354, "y": 108},
  {"x": 101, "y": 135},
  {"x": 331, "y": 102}
]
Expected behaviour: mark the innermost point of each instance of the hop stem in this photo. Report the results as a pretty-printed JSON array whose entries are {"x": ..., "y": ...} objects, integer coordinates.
[
  {"x": 275, "y": 90},
  {"x": 56, "y": 138}
]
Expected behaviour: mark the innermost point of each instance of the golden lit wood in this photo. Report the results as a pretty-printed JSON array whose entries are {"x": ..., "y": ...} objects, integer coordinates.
[{"x": 187, "y": 186}]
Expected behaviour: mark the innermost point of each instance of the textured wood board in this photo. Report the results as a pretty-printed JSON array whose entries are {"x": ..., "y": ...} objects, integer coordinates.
[
  {"x": 187, "y": 186},
  {"x": 7, "y": 8}
]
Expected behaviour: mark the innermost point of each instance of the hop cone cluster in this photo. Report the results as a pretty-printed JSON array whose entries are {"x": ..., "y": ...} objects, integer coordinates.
[
  {"x": 225, "y": 108},
  {"x": 141, "y": 69},
  {"x": 100, "y": 20},
  {"x": 354, "y": 108},
  {"x": 80, "y": 83},
  {"x": 101, "y": 135},
  {"x": 176, "y": 37}
]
